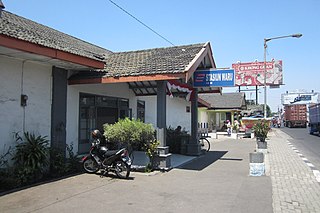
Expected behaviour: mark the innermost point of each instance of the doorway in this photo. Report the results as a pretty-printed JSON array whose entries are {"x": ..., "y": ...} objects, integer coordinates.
[{"x": 95, "y": 111}]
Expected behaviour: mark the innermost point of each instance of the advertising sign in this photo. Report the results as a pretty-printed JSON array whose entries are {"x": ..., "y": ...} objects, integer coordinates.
[
  {"x": 299, "y": 98},
  {"x": 214, "y": 78},
  {"x": 252, "y": 73}
]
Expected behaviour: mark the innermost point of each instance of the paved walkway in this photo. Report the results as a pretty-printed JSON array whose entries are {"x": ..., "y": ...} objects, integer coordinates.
[
  {"x": 294, "y": 185},
  {"x": 216, "y": 182}
]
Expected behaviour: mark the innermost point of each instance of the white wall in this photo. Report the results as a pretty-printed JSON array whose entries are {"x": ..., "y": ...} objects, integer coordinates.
[
  {"x": 177, "y": 115},
  {"x": 34, "y": 79},
  {"x": 203, "y": 115},
  {"x": 176, "y": 112},
  {"x": 24, "y": 77}
]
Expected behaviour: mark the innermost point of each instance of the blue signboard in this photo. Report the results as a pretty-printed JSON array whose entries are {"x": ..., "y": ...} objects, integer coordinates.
[{"x": 214, "y": 78}]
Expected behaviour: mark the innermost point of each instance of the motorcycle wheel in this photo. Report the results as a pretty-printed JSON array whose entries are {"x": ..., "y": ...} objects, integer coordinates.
[
  {"x": 90, "y": 165},
  {"x": 122, "y": 169}
]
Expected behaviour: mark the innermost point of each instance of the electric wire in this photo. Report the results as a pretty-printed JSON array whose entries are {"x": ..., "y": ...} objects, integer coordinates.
[{"x": 158, "y": 34}]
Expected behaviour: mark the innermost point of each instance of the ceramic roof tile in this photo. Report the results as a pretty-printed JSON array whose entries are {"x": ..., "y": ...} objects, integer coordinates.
[
  {"x": 24, "y": 29},
  {"x": 225, "y": 100},
  {"x": 152, "y": 61}
]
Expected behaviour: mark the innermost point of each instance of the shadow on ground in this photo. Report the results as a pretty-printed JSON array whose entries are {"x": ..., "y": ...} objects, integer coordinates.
[{"x": 204, "y": 161}]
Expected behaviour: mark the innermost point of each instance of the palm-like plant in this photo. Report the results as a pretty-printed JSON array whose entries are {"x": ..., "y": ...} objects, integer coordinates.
[
  {"x": 261, "y": 129},
  {"x": 31, "y": 157}
]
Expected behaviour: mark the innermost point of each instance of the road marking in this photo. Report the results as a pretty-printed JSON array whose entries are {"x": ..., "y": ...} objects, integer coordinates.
[
  {"x": 310, "y": 165},
  {"x": 316, "y": 172}
]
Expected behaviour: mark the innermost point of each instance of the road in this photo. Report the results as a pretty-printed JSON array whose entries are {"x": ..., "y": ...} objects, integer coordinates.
[{"x": 308, "y": 145}]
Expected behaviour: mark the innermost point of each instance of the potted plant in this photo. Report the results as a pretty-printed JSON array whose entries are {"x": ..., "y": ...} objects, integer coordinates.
[{"x": 260, "y": 130}]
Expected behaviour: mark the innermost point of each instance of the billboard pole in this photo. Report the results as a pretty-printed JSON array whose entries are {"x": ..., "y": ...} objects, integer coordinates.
[
  {"x": 265, "y": 80},
  {"x": 256, "y": 94},
  {"x": 265, "y": 67}
]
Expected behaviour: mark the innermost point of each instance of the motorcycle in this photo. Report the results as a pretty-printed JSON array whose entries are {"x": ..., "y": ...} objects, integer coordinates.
[{"x": 100, "y": 158}]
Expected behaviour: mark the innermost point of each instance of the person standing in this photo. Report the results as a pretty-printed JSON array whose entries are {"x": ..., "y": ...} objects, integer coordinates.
[{"x": 228, "y": 127}]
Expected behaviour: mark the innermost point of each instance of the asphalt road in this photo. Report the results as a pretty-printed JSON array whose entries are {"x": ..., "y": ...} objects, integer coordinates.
[{"x": 308, "y": 145}]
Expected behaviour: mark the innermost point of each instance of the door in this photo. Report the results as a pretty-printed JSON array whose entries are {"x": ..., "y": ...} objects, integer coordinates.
[{"x": 87, "y": 124}]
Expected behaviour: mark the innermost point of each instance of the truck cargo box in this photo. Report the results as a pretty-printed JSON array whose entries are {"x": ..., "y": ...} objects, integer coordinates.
[
  {"x": 295, "y": 115},
  {"x": 314, "y": 118}
]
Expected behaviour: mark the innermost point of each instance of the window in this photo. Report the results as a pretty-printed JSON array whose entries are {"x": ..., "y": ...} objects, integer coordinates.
[
  {"x": 141, "y": 110},
  {"x": 95, "y": 111}
]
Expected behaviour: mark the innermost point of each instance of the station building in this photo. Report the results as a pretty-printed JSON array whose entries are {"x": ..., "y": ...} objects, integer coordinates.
[{"x": 62, "y": 87}]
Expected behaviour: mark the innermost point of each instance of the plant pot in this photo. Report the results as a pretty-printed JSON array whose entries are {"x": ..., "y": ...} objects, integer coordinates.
[
  {"x": 262, "y": 144},
  {"x": 256, "y": 157},
  {"x": 262, "y": 139}
]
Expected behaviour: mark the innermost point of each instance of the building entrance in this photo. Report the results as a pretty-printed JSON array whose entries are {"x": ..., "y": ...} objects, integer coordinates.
[{"x": 95, "y": 111}]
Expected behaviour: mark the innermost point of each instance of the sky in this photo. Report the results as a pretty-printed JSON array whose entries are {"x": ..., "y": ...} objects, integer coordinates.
[{"x": 235, "y": 29}]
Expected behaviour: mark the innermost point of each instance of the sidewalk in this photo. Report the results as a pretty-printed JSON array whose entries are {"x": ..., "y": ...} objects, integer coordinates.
[{"x": 294, "y": 186}]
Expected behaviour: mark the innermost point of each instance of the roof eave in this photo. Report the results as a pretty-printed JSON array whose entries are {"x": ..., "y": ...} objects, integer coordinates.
[
  {"x": 29, "y": 47},
  {"x": 196, "y": 61},
  {"x": 126, "y": 79}
]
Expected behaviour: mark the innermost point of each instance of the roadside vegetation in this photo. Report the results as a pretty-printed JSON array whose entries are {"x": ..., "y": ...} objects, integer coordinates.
[
  {"x": 31, "y": 161},
  {"x": 135, "y": 136}
]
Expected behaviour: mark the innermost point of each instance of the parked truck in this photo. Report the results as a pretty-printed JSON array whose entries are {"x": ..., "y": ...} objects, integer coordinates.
[
  {"x": 295, "y": 115},
  {"x": 314, "y": 119}
]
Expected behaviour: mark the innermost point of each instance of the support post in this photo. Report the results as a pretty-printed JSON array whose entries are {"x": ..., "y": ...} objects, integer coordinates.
[
  {"x": 164, "y": 157},
  {"x": 193, "y": 148}
]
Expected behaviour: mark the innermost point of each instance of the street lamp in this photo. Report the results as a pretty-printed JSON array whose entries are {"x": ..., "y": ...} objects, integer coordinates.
[{"x": 265, "y": 66}]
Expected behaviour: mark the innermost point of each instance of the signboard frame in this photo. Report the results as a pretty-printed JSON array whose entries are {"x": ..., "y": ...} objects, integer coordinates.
[
  {"x": 252, "y": 73},
  {"x": 214, "y": 78}
]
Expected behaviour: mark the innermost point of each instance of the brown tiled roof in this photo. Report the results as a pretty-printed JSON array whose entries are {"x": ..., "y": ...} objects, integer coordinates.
[
  {"x": 225, "y": 100},
  {"x": 167, "y": 60},
  {"x": 151, "y": 61},
  {"x": 23, "y": 29}
]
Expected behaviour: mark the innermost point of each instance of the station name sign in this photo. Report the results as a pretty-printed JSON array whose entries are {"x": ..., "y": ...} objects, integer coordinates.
[{"x": 214, "y": 78}]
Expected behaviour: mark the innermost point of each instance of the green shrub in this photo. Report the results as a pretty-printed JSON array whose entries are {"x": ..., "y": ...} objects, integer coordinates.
[
  {"x": 4, "y": 161},
  {"x": 261, "y": 129},
  {"x": 31, "y": 157},
  {"x": 152, "y": 152},
  {"x": 60, "y": 164},
  {"x": 7, "y": 177},
  {"x": 72, "y": 161},
  {"x": 57, "y": 162},
  {"x": 129, "y": 132}
]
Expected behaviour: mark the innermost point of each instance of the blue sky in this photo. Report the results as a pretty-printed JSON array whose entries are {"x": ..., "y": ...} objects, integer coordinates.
[{"x": 235, "y": 29}]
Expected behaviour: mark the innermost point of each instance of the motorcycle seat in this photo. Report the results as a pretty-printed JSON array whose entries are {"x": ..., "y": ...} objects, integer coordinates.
[{"x": 110, "y": 152}]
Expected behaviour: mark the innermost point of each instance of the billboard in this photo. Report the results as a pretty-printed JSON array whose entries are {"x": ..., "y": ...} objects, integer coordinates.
[
  {"x": 252, "y": 73},
  {"x": 299, "y": 98},
  {"x": 214, "y": 78}
]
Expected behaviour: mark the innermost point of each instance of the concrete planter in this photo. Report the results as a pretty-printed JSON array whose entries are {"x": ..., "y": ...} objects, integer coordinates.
[
  {"x": 140, "y": 158},
  {"x": 256, "y": 157},
  {"x": 262, "y": 145},
  {"x": 257, "y": 166}
]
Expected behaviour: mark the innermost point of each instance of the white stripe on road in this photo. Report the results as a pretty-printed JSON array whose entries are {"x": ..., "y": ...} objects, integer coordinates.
[
  {"x": 310, "y": 164},
  {"x": 317, "y": 174}
]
